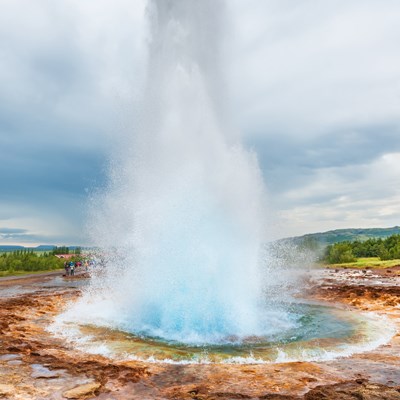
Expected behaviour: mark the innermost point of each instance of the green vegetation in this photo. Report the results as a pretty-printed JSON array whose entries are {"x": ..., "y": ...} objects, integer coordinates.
[
  {"x": 66, "y": 250},
  {"x": 339, "y": 253},
  {"x": 348, "y": 235},
  {"x": 367, "y": 262},
  {"x": 22, "y": 261},
  {"x": 349, "y": 252}
]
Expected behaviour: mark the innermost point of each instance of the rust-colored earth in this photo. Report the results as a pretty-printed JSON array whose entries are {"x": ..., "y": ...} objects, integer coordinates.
[{"x": 36, "y": 365}]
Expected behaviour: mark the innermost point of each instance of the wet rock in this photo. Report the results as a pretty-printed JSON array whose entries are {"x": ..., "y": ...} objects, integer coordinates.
[
  {"x": 9, "y": 357},
  {"x": 41, "y": 372},
  {"x": 14, "y": 362},
  {"x": 82, "y": 391},
  {"x": 6, "y": 390}
]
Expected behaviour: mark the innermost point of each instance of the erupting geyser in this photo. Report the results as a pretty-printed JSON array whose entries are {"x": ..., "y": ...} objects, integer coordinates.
[
  {"x": 181, "y": 223},
  {"x": 184, "y": 273}
]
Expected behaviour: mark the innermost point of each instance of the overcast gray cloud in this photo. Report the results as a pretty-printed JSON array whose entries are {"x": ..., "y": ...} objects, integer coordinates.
[
  {"x": 317, "y": 95},
  {"x": 314, "y": 90},
  {"x": 66, "y": 69}
]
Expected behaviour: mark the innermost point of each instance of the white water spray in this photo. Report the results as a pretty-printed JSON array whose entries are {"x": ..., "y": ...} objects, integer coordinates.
[{"x": 181, "y": 223}]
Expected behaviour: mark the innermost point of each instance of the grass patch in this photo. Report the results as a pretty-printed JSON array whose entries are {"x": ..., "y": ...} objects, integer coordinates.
[{"x": 362, "y": 263}]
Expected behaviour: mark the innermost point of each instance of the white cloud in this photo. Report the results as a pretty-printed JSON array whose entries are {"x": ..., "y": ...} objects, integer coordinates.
[{"x": 356, "y": 196}]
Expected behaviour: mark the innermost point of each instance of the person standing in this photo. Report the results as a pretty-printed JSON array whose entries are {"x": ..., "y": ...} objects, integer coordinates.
[
  {"x": 66, "y": 267},
  {"x": 72, "y": 268}
]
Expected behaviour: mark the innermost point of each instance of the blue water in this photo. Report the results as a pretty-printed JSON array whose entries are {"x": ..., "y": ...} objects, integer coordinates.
[{"x": 315, "y": 329}]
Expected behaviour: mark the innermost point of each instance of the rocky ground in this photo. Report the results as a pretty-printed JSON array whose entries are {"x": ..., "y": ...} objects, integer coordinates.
[{"x": 36, "y": 365}]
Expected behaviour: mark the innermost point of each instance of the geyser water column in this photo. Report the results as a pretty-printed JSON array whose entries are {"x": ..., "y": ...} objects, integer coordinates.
[{"x": 181, "y": 222}]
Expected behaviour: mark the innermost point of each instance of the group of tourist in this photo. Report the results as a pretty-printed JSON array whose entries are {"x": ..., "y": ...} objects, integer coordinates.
[{"x": 71, "y": 266}]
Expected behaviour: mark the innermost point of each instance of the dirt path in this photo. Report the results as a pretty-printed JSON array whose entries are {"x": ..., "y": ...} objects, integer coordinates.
[{"x": 39, "y": 276}]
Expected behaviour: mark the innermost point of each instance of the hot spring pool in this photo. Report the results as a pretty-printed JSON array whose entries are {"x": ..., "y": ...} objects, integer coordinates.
[{"x": 319, "y": 332}]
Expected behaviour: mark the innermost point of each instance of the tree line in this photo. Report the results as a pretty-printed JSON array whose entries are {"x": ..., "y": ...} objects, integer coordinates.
[
  {"x": 66, "y": 250},
  {"x": 345, "y": 252},
  {"x": 27, "y": 260}
]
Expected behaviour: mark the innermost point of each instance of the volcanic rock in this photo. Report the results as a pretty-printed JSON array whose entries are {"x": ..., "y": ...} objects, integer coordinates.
[
  {"x": 41, "y": 372},
  {"x": 353, "y": 390},
  {"x": 82, "y": 391},
  {"x": 6, "y": 390}
]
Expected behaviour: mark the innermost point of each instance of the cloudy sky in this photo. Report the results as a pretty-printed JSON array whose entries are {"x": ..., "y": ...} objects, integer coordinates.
[{"x": 314, "y": 89}]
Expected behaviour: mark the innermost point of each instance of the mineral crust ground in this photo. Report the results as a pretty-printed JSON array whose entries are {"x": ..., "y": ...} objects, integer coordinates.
[{"x": 36, "y": 365}]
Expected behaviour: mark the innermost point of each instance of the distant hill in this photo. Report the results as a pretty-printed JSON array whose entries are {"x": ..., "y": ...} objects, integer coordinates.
[
  {"x": 42, "y": 247},
  {"x": 321, "y": 238},
  {"x": 45, "y": 247},
  {"x": 342, "y": 235},
  {"x": 11, "y": 248}
]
